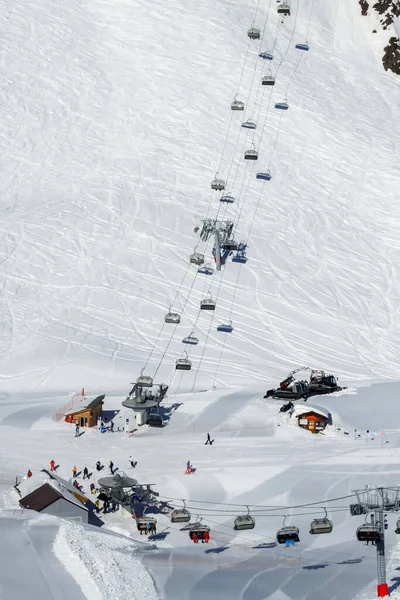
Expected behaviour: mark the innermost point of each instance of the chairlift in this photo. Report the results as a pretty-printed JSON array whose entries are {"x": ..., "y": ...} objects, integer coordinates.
[
  {"x": 304, "y": 46},
  {"x": 240, "y": 256},
  {"x": 249, "y": 125},
  {"x": 268, "y": 80},
  {"x": 287, "y": 533},
  {"x": 282, "y": 105},
  {"x": 190, "y": 339},
  {"x": 217, "y": 184},
  {"x": 397, "y": 530},
  {"x": 144, "y": 380},
  {"x": 244, "y": 522},
  {"x": 198, "y": 530},
  {"x": 368, "y": 533},
  {"x": 172, "y": 317},
  {"x": 254, "y": 33},
  {"x": 237, "y": 104},
  {"x": 155, "y": 420},
  {"x": 183, "y": 364},
  {"x": 266, "y": 55},
  {"x": 225, "y": 327},
  {"x": 266, "y": 176},
  {"x": 227, "y": 199},
  {"x": 180, "y": 515},
  {"x": 208, "y": 304},
  {"x": 284, "y": 9},
  {"x": 205, "y": 270},
  {"x": 323, "y": 525},
  {"x": 142, "y": 524},
  {"x": 197, "y": 258},
  {"x": 251, "y": 154},
  {"x": 230, "y": 245}
]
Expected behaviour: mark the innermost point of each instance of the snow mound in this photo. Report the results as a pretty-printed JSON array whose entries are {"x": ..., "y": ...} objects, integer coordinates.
[{"x": 104, "y": 565}]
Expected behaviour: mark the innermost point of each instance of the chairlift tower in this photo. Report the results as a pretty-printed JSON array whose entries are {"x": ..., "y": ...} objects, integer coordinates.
[
  {"x": 378, "y": 501},
  {"x": 222, "y": 232}
]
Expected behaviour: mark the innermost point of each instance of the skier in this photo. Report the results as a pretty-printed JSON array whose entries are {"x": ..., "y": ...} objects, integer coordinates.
[
  {"x": 52, "y": 465},
  {"x": 99, "y": 465},
  {"x": 77, "y": 431},
  {"x": 85, "y": 473},
  {"x": 132, "y": 462},
  {"x": 112, "y": 426},
  {"x": 74, "y": 472},
  {"x": 29, "y": 474},
  {"x": 209, "y": 440},
  {"x": 111, "y": 467}
]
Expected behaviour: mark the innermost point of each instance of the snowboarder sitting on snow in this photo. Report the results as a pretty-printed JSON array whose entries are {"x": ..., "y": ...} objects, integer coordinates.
[
  {"x": 92, "y": 488},
  {"x": 132, "y": 462},
  {"x": 189, "y": 468},
  {"x": 29, "y": 474},
  {"x": 99, "y": 466}
]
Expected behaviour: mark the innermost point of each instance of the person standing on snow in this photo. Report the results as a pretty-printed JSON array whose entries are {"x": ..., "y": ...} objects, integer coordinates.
[
  {"x": 85, "y": 473},
  {"x": 52, "y": 465},
  {"x": 76, "y": 430},
  {"x": 74, "y": 472},
  {"x": 112, "y": 426},
  {"x": 111, "y": 467},
  {"x": 29, "y": 474},
  {"x": 188, "y": 467}
]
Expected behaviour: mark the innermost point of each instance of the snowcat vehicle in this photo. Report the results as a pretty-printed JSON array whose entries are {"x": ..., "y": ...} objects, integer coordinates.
[{"x": 319, "y": 383}]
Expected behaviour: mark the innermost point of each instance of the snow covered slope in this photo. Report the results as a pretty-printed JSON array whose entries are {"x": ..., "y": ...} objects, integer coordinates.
[{"x": 115, "y": 117}]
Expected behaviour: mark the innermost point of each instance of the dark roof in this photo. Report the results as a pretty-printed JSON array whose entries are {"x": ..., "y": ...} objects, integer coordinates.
[
  {"x": 85, "y": 404},
  {"x": 40, "y": 498}
]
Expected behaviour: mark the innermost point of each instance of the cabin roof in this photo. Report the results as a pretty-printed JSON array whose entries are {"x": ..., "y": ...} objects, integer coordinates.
[
  {"x": 304, "y": 409},
  {"x": 83, "y": 404}
]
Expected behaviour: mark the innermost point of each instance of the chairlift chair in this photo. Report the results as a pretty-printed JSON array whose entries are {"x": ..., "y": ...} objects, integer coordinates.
[
  {"x": 240, "y": 256},
  {"x": 230, "y": 245},
  {"x": 249, "y": 125},
  {"x": 205, "y": 270},
  {"x": 144, "y": 381},
  {"x": 183, "y": 364},
  {"x": 266, "y": 55},
  {"x": 155, "y": 420},
  {"x": 304, "y": 46},
  {"x": 225, "y": 327},
  {"x": 227, "y": 199},
  {"x": 284, "y": 9},
  {"x": 217, "y": 184},
  {"x": 197, "y": 258},
  {"x": 397, "y": 530},
  {"x": 180, "y": 515},
  {"x": 254, "y": 33},
  {"x": 266, "y": 176},
  {"x": 208, "y": 304},
  {"x": 190, "y": 339},
  {"x": 244, "y": 522},
  {"x": 282, "y": 105},
  {"x": 172, "y": 317},
  {"x": 268, "y": 80},
  {"x": 198, "y": 530},
  {"x": 251, "y": 155},
  {"x": 368, "y": 533},
  {"x": 237, "y": 104},
  {"x": 321, "y": 526},
  {"x": 143, "y": 521},
  {"x": 286, "y": 534}
]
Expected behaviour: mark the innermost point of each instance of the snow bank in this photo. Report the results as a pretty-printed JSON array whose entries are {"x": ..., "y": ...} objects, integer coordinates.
[{"x": 103, "y": 565}]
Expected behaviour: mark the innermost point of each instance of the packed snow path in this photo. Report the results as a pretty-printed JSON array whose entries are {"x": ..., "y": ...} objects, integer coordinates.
[{"x": 114, "y": 117}]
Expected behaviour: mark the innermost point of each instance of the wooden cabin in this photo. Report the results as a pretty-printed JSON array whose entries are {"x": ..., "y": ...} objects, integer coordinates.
[
  {"x": 86, "y": 411},
  {"x": 313, "y": 418}
]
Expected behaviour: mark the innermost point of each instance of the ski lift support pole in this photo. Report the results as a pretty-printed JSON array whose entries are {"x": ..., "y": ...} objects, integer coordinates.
[
  {"x": 217, "y": 251},
  {"x": 384, "y": 501}
]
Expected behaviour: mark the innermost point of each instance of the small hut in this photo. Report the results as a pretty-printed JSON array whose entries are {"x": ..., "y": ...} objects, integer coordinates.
[
  {"x": 314, "y": 418},
  {"x": 86, "y": 412}
]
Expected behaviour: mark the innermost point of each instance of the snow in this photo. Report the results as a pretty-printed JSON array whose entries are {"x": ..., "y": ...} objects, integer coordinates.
[
  {"x": 301, "y": 409},
  {"x": 115, "y": 118}
]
